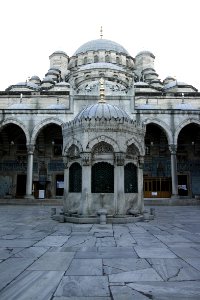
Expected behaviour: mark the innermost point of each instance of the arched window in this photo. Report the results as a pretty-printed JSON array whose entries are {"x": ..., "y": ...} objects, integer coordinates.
[
  {"x": 85, "y": 60},
  {"x": 75, "y": 178},
  {"x": 117, "y": 60},
  {"x": 96, "y": 58},
  {"x": 130, "y": 178},
  {"x": 107, "y": 58},
  {"x": 102, "y": 178}
]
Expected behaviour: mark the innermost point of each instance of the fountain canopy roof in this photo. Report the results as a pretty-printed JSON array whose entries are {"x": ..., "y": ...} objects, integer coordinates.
[{"x": 102, "y": 110}]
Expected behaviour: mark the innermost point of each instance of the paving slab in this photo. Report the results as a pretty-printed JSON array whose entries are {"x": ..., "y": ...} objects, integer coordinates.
[
  {"x": 81, "y": 298},
  {"x": 118, "y": 265},
  {"x": 33, "y": 252},
  {"x": 195, "y": 262},
  {"x": 137, "y": 275},
  {"x": 50, "y": 241},
  {"x": 185, "y": 252},
  {"x": 175, "y": 238},
  {"x": 158, "y": 259},
  {"x": 85, "y": 267},
  {"x": 79, "y": 286},
  {"x": 11, "y": 268},
  {"x": 167, "y": 290},
  {"x": 37, "y": 285},
  {"x": 174, "y": 269},
  {"x": 154, "y": 252},
  {"x": 110, "y": 252},
  {"x": 105, "y": 242},
  {"x": 80, "y": 241},
  {"x": 126, "y": 293},
  {"x": 9, "y": 251},
  {"x": 16, "y": 243},
  {"x": 53, "y": 261}
]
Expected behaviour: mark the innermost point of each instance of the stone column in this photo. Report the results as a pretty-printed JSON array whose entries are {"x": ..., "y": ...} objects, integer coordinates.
[
  {"x": 29, "y": 178},
  {"x": 173, "y": 149},
  {"x": 140, "y": 182},
  {"x": 119, "y": 196},
  {"x": 66, "y": 184},
  {"x": 86, "y": 183}
]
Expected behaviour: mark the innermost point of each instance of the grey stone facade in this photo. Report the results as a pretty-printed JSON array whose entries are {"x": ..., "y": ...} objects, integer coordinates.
[{"x": 36, "y": 117}]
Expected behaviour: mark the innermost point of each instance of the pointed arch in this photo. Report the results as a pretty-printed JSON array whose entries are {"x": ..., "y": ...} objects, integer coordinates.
[
  {"x": 182, "y": 125},
  {"x": 105, "y": 139},
  {"x": 39, "y": 126},
  {"x": 163, "y": 126},
  {"x": 18, "y": 123},
  {"x": 139, "y": 146},
  {"x": 70, "y": 143}
]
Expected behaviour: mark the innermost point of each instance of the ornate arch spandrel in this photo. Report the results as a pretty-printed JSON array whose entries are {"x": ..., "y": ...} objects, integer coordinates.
[
  {"x": 105, "y": 139},
  {"x": 72, "y": 141}
]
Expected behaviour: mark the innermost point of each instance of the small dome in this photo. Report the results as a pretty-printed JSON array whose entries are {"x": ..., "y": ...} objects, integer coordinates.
[
  {"x": 48, "y": 79},
  {"x": 35, "y": 77},
  {"x": 102, "y": 110},
  {"x": 146, "y": 53},
  {"x": 101, "y": 44},
  {"x": 58, "y": 53}
]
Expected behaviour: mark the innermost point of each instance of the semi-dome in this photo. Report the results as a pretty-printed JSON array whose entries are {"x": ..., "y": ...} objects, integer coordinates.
[
  {"x": 102, "y": 110},
  {"x": 101, "y": 44}
]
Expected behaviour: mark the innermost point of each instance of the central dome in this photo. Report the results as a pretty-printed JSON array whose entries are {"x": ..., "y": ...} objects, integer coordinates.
[
  {"x": 101, "y": 44},
  {"x": 102, "y": 110}
]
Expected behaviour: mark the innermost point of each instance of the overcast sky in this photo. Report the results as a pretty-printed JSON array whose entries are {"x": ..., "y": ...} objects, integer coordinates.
[{"x": 33, "y": 30}]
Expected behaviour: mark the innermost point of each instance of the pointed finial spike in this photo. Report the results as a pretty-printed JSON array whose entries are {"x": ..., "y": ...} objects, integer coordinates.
[{"x": 101, "y": 32}]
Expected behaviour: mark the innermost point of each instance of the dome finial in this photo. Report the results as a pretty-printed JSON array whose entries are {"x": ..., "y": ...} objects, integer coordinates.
[
  {"x": 102, "y": 91},
  {"x": 101, "y": 32}
]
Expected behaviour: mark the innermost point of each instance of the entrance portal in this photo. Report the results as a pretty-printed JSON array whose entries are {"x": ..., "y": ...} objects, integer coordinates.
[
  {"x": 183, "y": 185},
  {"x": 21, "y": 186}
]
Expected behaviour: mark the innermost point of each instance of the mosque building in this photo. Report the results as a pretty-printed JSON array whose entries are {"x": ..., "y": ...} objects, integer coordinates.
[{"x": 100, "y": 127}]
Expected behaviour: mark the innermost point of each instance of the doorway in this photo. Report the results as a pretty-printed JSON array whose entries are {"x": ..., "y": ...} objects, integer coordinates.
[
  {"x": 21, "y": 186},
  {"x": 59, "y": 185},
  {"x": 183, "y": 185}
]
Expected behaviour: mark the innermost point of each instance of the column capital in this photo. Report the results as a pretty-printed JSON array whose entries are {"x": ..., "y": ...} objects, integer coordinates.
[
  {"x": 65, "y": 162},
  {"x": 141, "y": 162},
  {"x": 173, "y": 148},
  {"x": 86, "y": 158},
  {"x": 119, "y": 158},
  {"x": 30, "y": 148}
]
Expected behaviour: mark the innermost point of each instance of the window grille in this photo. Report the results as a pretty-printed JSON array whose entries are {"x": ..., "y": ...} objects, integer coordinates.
[
  {"x": 102, "y": 147},
  {"x": 102, "y": 178},
  {"x": 75, "y": 178},
  {"x": 130, "y": 178}
]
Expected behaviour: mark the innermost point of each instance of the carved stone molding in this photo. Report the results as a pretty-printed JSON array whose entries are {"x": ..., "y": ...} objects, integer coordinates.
[
  {"x": 173, "y": 149},
  {"x": 30, "y": 149},
  {"x": 86, "y": 158},
  {"x": 65, "y": 162},
  {"x": 119, "y": 159},
  {"x": 141, "y": 162}
]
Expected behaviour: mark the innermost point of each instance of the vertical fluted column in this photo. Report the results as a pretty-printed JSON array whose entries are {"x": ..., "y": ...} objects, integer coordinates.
[
  {"x": 173, "y": 149},
  {"x": 29, "y": 178}
]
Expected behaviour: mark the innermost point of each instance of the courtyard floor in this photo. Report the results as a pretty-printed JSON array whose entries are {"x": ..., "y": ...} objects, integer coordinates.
[{"x": 43, "y": 259}]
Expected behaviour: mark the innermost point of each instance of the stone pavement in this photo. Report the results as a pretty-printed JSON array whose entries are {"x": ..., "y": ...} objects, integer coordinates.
[{"x": 43, "y": 259}]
